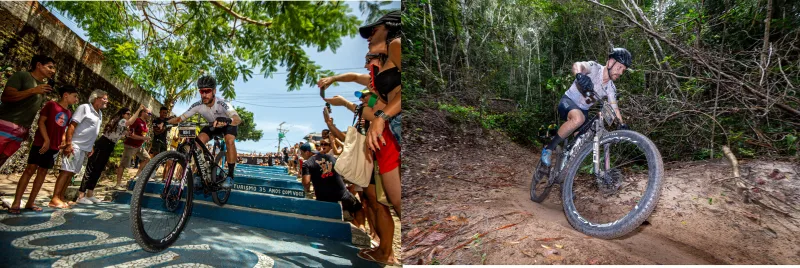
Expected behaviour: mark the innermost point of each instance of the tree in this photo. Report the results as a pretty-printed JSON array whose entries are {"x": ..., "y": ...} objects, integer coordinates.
[
  {"x": 164, "y": 46},
  {"x": 247, "y": 129}
]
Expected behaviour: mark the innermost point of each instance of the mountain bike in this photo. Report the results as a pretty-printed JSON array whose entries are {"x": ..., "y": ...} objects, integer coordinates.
[
  {"x": 190, "y": 167},
  {"x": 600, "y": 174}
]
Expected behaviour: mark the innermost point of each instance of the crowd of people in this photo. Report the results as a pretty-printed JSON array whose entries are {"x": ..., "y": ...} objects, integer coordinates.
[
  {"x": 77, "y": 135},
  {"x": 378, "y": 118}
]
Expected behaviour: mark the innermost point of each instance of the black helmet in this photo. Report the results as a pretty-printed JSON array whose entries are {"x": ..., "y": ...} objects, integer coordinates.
[
  {"x": 207, "y": 81},
  {"x": 621, "y": 55}
]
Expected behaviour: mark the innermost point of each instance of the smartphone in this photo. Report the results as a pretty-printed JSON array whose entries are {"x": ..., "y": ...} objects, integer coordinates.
[{"x": 322, "y": 94}]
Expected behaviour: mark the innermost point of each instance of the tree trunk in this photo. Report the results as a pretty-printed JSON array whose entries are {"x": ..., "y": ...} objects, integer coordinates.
[
  {"x": 765, "y": 48},
  {"x": 435, "y": 49}
]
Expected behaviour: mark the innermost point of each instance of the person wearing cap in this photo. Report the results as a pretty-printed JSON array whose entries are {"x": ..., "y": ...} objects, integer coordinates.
[
  {"x": 318, "y": 170},
  {"x": 592, "y": 81}
]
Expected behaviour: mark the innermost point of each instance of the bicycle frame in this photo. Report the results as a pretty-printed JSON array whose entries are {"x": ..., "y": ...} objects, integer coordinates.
[
  {"x": 200, "y": 162},
  {"x": 598, "y": 129}
]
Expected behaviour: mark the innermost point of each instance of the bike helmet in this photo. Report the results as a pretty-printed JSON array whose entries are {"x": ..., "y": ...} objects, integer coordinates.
[
  {"x": 207, "y": 81},
  {"x": 622, "y": 55}
]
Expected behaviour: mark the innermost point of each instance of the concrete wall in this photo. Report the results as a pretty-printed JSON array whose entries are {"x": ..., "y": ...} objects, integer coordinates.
[{"x": 31, "y": 29}]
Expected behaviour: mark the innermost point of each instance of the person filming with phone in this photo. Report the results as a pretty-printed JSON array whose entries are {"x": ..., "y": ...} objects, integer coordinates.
[{"x": 22, "y": 98}]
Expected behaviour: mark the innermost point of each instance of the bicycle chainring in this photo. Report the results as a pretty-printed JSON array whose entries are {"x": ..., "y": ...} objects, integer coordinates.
[{"x": 610, "y": 182}]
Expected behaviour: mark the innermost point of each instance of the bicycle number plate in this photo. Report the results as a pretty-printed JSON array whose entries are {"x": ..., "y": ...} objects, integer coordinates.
[{"x": 187, "y": 132}]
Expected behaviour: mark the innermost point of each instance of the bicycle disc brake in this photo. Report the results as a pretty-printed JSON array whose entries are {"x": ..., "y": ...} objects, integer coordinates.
[{"x": 610, "y": 182}]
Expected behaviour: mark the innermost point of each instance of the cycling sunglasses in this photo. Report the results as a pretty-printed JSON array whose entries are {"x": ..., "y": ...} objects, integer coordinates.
[{"x": 206, "y": 91}]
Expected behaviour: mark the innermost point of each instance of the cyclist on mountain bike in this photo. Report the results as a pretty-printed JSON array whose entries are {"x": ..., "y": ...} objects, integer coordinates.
[
  {"x": 221, "y": 115},
  {"x": 592, "y": 81}
]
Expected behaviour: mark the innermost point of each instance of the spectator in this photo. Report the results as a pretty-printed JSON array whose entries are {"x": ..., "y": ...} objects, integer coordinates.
[
  {"x": 53, "y": 120},
  {"x": 103, "y": 147},
  {"x": 328, "y": 186},
  {"x": 81, "y": 134},
  {"x": 21, "y": 100},
  {"x": 160, "y": 130},
  {"x": 133, "y": 143}
]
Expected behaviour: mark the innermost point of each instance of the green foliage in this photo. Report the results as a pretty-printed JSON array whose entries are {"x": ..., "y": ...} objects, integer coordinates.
[
  {"x": 523, "y": 50},
  {"x": 247, "y": 129},
  {"x": 165, "y": 46}
]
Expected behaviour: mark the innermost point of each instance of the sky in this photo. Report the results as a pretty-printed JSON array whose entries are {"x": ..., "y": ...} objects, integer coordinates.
[{"x": 303, "y": 108}]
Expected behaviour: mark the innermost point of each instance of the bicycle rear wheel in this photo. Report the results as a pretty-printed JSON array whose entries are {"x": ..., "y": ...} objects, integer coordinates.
[
  {"x": 616, "y": 202},
  {"x": 544, "y": 177},
  {"x": 158, "y": 215}
]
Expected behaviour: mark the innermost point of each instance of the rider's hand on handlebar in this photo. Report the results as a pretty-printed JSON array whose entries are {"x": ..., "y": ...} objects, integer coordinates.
[
  {"x": 584, "y": 83},
  {"x": 222, "y": 122}
]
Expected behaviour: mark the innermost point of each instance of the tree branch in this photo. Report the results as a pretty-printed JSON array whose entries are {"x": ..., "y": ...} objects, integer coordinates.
[
  {"x": 764, "y": 97},
  {"x": 262, "y": 23}
]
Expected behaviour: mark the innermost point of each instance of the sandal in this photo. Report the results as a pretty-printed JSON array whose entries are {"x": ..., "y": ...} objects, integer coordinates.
[
  {"x": 14, "y": 211},
  {"x": 367, "y": 257},
  {"x": 34, "y": 208}
]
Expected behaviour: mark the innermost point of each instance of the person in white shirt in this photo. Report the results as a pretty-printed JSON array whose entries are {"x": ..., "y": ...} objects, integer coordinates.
[
  {"x": 81, "y": 133},
  {"x": 114, "y": 130}
]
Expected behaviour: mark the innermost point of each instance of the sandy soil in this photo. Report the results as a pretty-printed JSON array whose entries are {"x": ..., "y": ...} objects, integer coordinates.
[{"x": 467, "y": 202}]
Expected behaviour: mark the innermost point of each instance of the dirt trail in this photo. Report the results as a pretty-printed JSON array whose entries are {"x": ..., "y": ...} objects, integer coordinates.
[{"x": 457, "y": 187}]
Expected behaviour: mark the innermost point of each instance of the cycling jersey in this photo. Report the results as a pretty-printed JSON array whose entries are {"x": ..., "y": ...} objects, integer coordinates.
[
  {"x": 596, "y": 74},
  {"x": 219, "y": 109}
]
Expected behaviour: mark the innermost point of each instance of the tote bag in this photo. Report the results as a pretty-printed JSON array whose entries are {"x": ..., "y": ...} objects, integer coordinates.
[{"x": 352, "y": 164}]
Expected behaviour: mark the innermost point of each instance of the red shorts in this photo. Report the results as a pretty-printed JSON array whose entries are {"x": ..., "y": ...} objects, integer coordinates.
[
  {"x": 389, "y": 155},
  {"x": 11, "y": 137}
]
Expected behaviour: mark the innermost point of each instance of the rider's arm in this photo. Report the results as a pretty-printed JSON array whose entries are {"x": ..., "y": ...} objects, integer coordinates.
[
  {"x": 189, "y": 113},
  {"x": 580, "y": 67},
  {"x": 235, "y": 120},
  {"x": 232, "y": 114},
  {"x": 175, "y": 120},
  {"x": 612, "y": 99}
]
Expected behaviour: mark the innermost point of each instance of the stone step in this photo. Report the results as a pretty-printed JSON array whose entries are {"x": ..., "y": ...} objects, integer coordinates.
[
  {"x": 292, "y": 223},
  {"x": 267, "y": 201}
]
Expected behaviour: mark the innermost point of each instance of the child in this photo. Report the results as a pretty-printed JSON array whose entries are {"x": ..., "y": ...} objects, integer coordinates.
[{"x": 53, "y": 119}]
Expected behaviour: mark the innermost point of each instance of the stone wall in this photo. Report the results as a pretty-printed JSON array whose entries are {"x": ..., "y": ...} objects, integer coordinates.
[{"x": 27, "y": 28}]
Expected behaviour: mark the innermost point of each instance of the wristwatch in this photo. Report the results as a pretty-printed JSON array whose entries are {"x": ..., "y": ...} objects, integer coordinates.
[{"x": 381, "y": 114}]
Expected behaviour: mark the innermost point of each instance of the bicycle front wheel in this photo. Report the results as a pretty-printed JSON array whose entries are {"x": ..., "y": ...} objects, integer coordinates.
[
  {"x": 616, "y": 199},
  {"x": 220, "y": 196},
  {"x": 160, "y": 212}
]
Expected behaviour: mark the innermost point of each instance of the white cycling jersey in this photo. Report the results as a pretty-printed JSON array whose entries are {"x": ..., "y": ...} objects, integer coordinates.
[
  {"x": 596, "y": 74},
  {"x": 219, "y": 109}
]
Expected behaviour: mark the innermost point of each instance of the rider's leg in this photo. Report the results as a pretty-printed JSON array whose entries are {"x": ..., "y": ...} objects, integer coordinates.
[
  {"x": 575, "y": 119},
  {"x": 567, "y": 109},
  {"x": 230, "y": 154}
]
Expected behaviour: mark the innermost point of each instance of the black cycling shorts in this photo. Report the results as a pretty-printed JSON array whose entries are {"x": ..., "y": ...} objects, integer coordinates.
[
  {"x": 226, "y": 130},
  {"x": 565, "y": 105}
]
